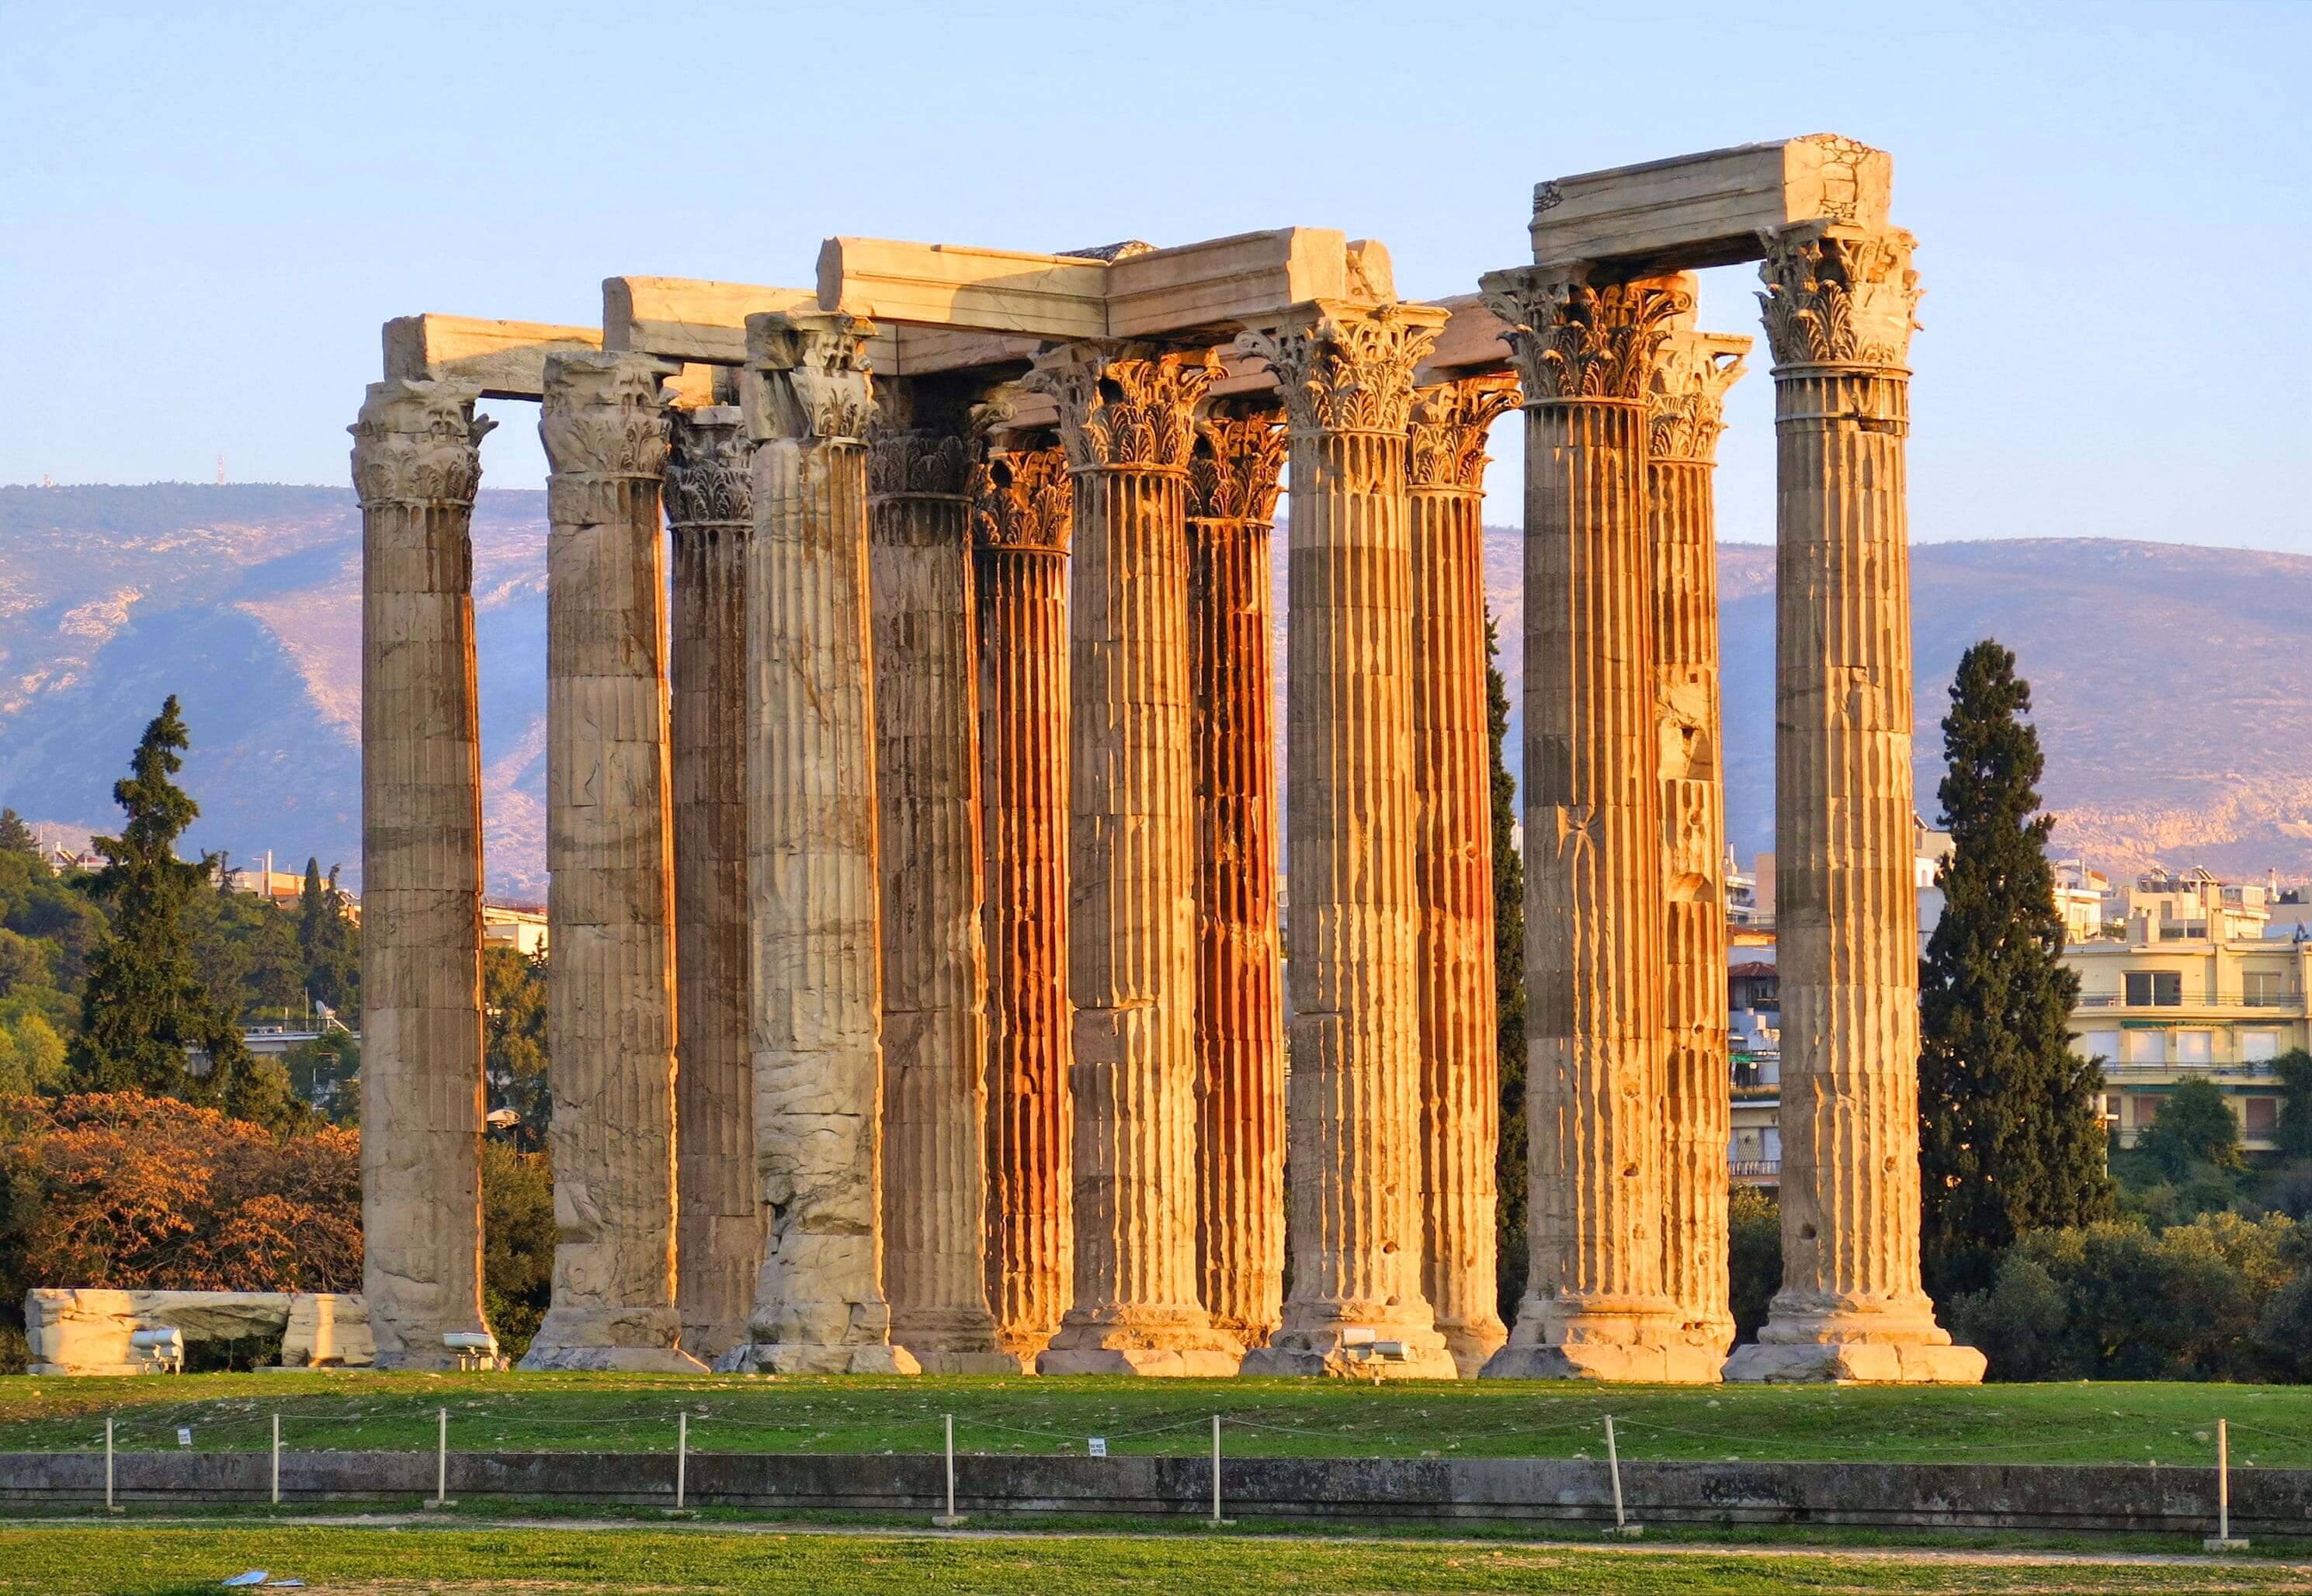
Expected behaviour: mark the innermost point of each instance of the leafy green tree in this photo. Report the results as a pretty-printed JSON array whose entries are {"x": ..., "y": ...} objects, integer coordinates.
[
  {"x": 1508, "y": 993},
  {"x": 1754, "y": 1257},
  {"x": 16, "y": 836},
  {"x": 326, "y": 1073},
  {"x": 2194, "y": 1126},
  {"x": 517, "y": 1242},
  {"x": 324, "y": 939},
  {"x": 2294, "y": 1131},
  {"x": 2010, "y": 1140},
  {"x": 149, "y": 1022},
  {"x": 32, "y": 1057},
  {"x": 513, "y": 1043}
]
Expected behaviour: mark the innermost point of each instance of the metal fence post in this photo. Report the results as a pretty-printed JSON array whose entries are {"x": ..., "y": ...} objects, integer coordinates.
[
  {"x": 1217, "y": 1520},
  {"x": 682, "y": 1455},
  {"x": 442, "y": 1458},
  {"x": 950, "y": 1518},
  {"x": 108, "y": 1505},
  {"x": 276, "y": 1459},
  {"x": 1622, "y": 1525},
  {"x": 2224, "y": 1542}
]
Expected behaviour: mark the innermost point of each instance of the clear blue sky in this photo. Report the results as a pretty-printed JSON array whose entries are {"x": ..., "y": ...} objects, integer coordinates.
[{"x": 210, "y": 209}]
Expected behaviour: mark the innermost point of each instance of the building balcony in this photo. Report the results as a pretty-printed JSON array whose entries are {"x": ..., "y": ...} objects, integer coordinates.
[{"x": 1755, "y": 1171}]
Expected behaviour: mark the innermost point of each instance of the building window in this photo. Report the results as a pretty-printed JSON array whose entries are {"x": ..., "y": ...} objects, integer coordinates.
[
  {"x": 2143, "y": 1110},
  {"x": 2101, "y": 1044},
  {"x": 2263, "y": 1115},
  {"x": 2147, "y": 1049},
  {"x": 2195, "y": 1047},
  {"x": 2154, "y": 988},
  {"x": 2258, "y": 1047}
]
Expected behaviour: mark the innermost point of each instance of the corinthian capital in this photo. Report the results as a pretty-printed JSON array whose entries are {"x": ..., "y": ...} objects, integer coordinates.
[
  {"x": 1839, "y": 295},
  {"x": 1450, "y": 422},
  {"x": 418, "y": 442},
  {"x": 1571, "y": 340},
  {"x": 1687, "y": 409},
  {"x": 1347, "y": 368},
  {"x": 1233, "y": 474},
  {"x": 709, "y": 480},
  {"x": 807, "y": 377},
  {"x": 1124, "y": 404},
  {"x": 1024, "y": 500},
  {"x": 605, "y": 415},
  {"x": 917, "y": 462}
]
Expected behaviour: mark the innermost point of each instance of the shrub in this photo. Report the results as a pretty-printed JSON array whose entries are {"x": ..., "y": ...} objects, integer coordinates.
[{"x": 1754, "y": 1257}]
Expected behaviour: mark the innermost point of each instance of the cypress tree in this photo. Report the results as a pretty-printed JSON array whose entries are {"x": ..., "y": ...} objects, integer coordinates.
[
  {"x": 145, "y": 1010},
  {"x": 1508, "y": 993},
  {"x": 2009, "y": 1139},
  {"x": 324, "y": 939},
  {"x": 16, "y": 836}
]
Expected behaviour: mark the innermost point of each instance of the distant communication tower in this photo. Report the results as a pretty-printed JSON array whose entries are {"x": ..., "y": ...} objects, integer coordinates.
[{"x": 220, "y": 471}]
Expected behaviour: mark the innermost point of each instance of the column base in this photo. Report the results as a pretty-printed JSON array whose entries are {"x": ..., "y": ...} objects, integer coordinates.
[
  {"x": 957, "y": 1343},
  {"x": 1632, "y": 1363},
  {"x": 1324, "y": 1350},
  {"x": 619, "y": 1360},
  {"x": 1169, "y": 1345},
  {"x": 800, "y": 1357},
  {"x": 1472, "y": 1345},
  {"x": 976, "y": 1363},
  {"x": 1855, "y": 1362},
  {"x": 628, "y": 1340}
]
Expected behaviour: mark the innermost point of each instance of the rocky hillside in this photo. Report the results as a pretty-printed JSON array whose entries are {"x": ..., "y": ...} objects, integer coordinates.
[{"x": 2165, "y": 675}]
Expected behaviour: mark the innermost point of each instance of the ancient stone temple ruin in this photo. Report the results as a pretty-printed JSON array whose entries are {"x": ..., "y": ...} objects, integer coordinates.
[{"x": 925, "y": 982}]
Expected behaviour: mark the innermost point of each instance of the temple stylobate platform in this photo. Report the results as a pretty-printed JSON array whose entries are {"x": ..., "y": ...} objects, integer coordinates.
[{"x": 950, "y": 846}]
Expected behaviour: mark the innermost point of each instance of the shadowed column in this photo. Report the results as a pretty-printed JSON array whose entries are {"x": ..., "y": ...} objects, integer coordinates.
[
  {"x": 1595, "y": 1306},
  {"x": 1838, "y": 307},
  {"x": 1684, "y": 416},
  {"x": 1353, "y": 1177},
  {"x": 709, "y": 510},
  {"x": 610, "y": 1015},
  {"x": 927, "y": 799},
  {"x": 820, "y": 1306},
  {"x": 417, "y": 464},
  {"x": 1127, "y": 422},
  {"x": 1023, "y": 505},
  {"x": 1453, "y": 863}
]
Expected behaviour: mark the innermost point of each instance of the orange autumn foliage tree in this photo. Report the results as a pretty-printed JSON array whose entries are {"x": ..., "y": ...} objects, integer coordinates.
[{"x": 148, "y": 1193}]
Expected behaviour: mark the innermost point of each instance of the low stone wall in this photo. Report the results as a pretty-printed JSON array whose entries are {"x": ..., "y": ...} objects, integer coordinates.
[
  {"x": 84, "y": 1330},
  {"x": 1489, "y": 1490}
]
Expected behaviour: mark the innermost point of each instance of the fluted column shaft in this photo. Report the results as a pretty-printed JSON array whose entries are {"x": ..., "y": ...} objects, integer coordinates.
[
  {"x": 1239, "y": 1025},
  {"x": 1453, "y": 865},
  {"x": 610, "y": 1007},
  {"x": 820, "y": 1305},
  {"x": 416, "y": 466},
  {"x": 1354, "y": 1102},
  {"x": 1024, "y": 507},
  {"x": 927, "y": 796},
  {"x": 1838, "y": 312},
  {"x": 1595, "y": 1306},
  {"x": 709, "y": 508},
  {"x": 1685, "y": 409},
  {"x": 1127, "y": 424}
]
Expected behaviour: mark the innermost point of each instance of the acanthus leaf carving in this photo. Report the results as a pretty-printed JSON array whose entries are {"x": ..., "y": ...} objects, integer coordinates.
[
  {"x": 418, "y": 442},
  {"x": 1233, "y": 475},
  {"x": 1121, "y": 405},
  {"x": 911, "y": 460},
  {"x": 1346, "y": 368},
  {"x": 808, "y": 377},
  {"x": 1839, "y": 298},
  {"x": 709, "y": 469},
  {"x": 1571, "y": 340},
  {"x": 1448, "y": 426},
  {"x": 1686, "y": 407},
  {"x": 1023, "y": 499},
  {"x": 605, "y": 415}
]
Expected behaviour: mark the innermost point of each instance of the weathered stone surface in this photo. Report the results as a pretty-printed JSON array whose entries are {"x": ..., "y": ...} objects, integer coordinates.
[
  {"x": 417, "y": 464},
  {"x": 1022, "y": 509},
  {"x": 610, "y": 1007},
  {"x": 1595, "y": 1306},
  {"x": 1354, "y": 1098},
  {"x": 1453, "y": 863},
  {"x": 1127, "y": 422},
  {"x": 816, "y": 988},
  {"x": 88, "y": 1331},
  {"x": 1684, "y": 415},
  {"x": 935, "y": 967},
  {"x": 1232, "y": 485},
  {"x": 497, "y": 359},
  {"x": 709, "y": 509},
  {"x": 1838, "y": 311}
]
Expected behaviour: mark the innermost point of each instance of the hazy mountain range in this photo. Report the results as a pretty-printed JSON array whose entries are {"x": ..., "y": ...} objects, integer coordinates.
[{"x": 2166, "y": 677}]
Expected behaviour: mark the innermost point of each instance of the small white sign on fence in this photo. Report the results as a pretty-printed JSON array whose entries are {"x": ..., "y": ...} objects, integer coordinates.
[
  {"x": 184, "y": 1434},
  {"x": 1097, "y": 1447}
]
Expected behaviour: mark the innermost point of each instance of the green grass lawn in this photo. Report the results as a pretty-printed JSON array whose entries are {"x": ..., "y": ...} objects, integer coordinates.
[
  {"x": 152, "y": 1561},
  {"x": 2113, "y": 1423}
]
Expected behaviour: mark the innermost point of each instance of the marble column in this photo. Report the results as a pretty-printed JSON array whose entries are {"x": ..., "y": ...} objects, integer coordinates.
[
  {"x": 1022, "y": 509},
  {"x": 1353, "y": 1179},
  {"x": 1838, "y": 311},
  {"x": 610, "y": 1006},
  {"x": 718, "y": 1239},
  {"x": 811, "y": 880},
  {"x": 1127, "y": 422},
  {"x": 1453, "y": 862},
  {"x": 1232, "y": 485},
  {"x": 417, "y": 463},
  {"x": 934, "y": 965},
  {"x": 1685, "y": 414},
  {"x": 1596, "y": 1306}
]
